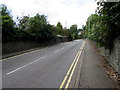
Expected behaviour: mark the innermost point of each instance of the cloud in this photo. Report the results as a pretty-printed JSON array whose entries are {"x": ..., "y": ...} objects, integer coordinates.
[{"x": 70, "y": 11}]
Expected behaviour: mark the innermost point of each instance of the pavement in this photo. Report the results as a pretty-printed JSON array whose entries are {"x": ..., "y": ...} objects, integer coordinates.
[
  {"x": 70, "y": 64},
  {"x": 92, "y": 74}
]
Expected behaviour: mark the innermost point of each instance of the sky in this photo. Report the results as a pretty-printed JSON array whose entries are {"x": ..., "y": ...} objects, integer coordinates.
[{"x": 68, "y": 12}]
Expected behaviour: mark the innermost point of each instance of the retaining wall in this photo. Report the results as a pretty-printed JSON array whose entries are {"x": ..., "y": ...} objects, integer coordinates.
[
  {"x": 13, "y": 47},
  {"x": 114, "y": 57}
]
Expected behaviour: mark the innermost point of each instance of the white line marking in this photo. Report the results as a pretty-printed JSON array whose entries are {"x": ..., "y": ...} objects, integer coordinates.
[
  {"x": 22, "y": 54},
  {"x": 25, "y": 65},
  {"x": 58, "y": 50}
]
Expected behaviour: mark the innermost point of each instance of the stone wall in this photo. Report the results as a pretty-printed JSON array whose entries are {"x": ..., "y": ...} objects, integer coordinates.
[
  {"x": 114, "y": 57},
  {"x": 13, "y": 47}
]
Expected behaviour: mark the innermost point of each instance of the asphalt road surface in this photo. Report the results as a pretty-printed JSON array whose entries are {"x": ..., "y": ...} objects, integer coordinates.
[{"x": 44, "y": 68}]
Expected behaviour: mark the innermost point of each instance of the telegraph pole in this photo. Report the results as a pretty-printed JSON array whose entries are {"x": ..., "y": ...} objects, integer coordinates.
[{"x": 65, "y": 24}]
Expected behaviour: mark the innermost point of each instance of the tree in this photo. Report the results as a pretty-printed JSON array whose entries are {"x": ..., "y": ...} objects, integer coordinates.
[
  {"x": 74, "y": 31},
  {"x": 59, "y": 28},
  {"x": 34, "y": 28},
  {"x": 59, "y": 25},
  {"x": 111, "y": 15},
  {"x": 8, "y": 32},
  {"x": 39, "y": 28},
  {"x": 24, "y": 22},
  {"x": 103, "y": 27}
]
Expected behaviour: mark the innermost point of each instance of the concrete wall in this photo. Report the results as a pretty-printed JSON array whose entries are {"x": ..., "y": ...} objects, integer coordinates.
[
  {"x": 13, "y": 47},
  {"x": 114, "y": 57}
]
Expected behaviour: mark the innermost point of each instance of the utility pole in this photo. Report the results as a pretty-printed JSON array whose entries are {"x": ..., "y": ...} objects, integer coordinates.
[{"x": 65, "y": 24}]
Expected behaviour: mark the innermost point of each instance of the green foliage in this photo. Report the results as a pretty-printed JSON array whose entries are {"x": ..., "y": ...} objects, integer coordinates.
[
  {"x": 7, "y": 24},
  {"x": 34, "y": 28},
  {"x": 96, "y": 29},
  {"x": 24, "y": 22},
  {"x": 62, "y": 31},
  {"x": 103, "y": 27},
  {"x": 39, "y": 28},
  {"x": 59, "y": 25},
  {"x": 29, "y": 28},
  {"x": 74, "y": 31},
  {"x": 59, "y": 28}
]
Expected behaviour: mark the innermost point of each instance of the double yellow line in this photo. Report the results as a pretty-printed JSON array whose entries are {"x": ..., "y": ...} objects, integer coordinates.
[{"x": 67, "y": 79}]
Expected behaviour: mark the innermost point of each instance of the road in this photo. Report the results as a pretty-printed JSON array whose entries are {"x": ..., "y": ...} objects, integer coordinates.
[{"x": 44, "y": 68}]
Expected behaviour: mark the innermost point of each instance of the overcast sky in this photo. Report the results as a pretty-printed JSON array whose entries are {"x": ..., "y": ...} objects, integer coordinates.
[{"x": 69, "y": 11}]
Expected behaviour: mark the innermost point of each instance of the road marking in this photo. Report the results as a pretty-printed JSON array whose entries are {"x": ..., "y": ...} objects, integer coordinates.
[
  {"x": 65, "y": 78},
  {"x": 71, "y": 74},
  {"x": 58, "y": 50},
  {"x": 25, "y": 65},
  {"x": 67, "y": 43},
  {"x": 21, "y": 54},
  {"x": 74, "y": 66}
]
